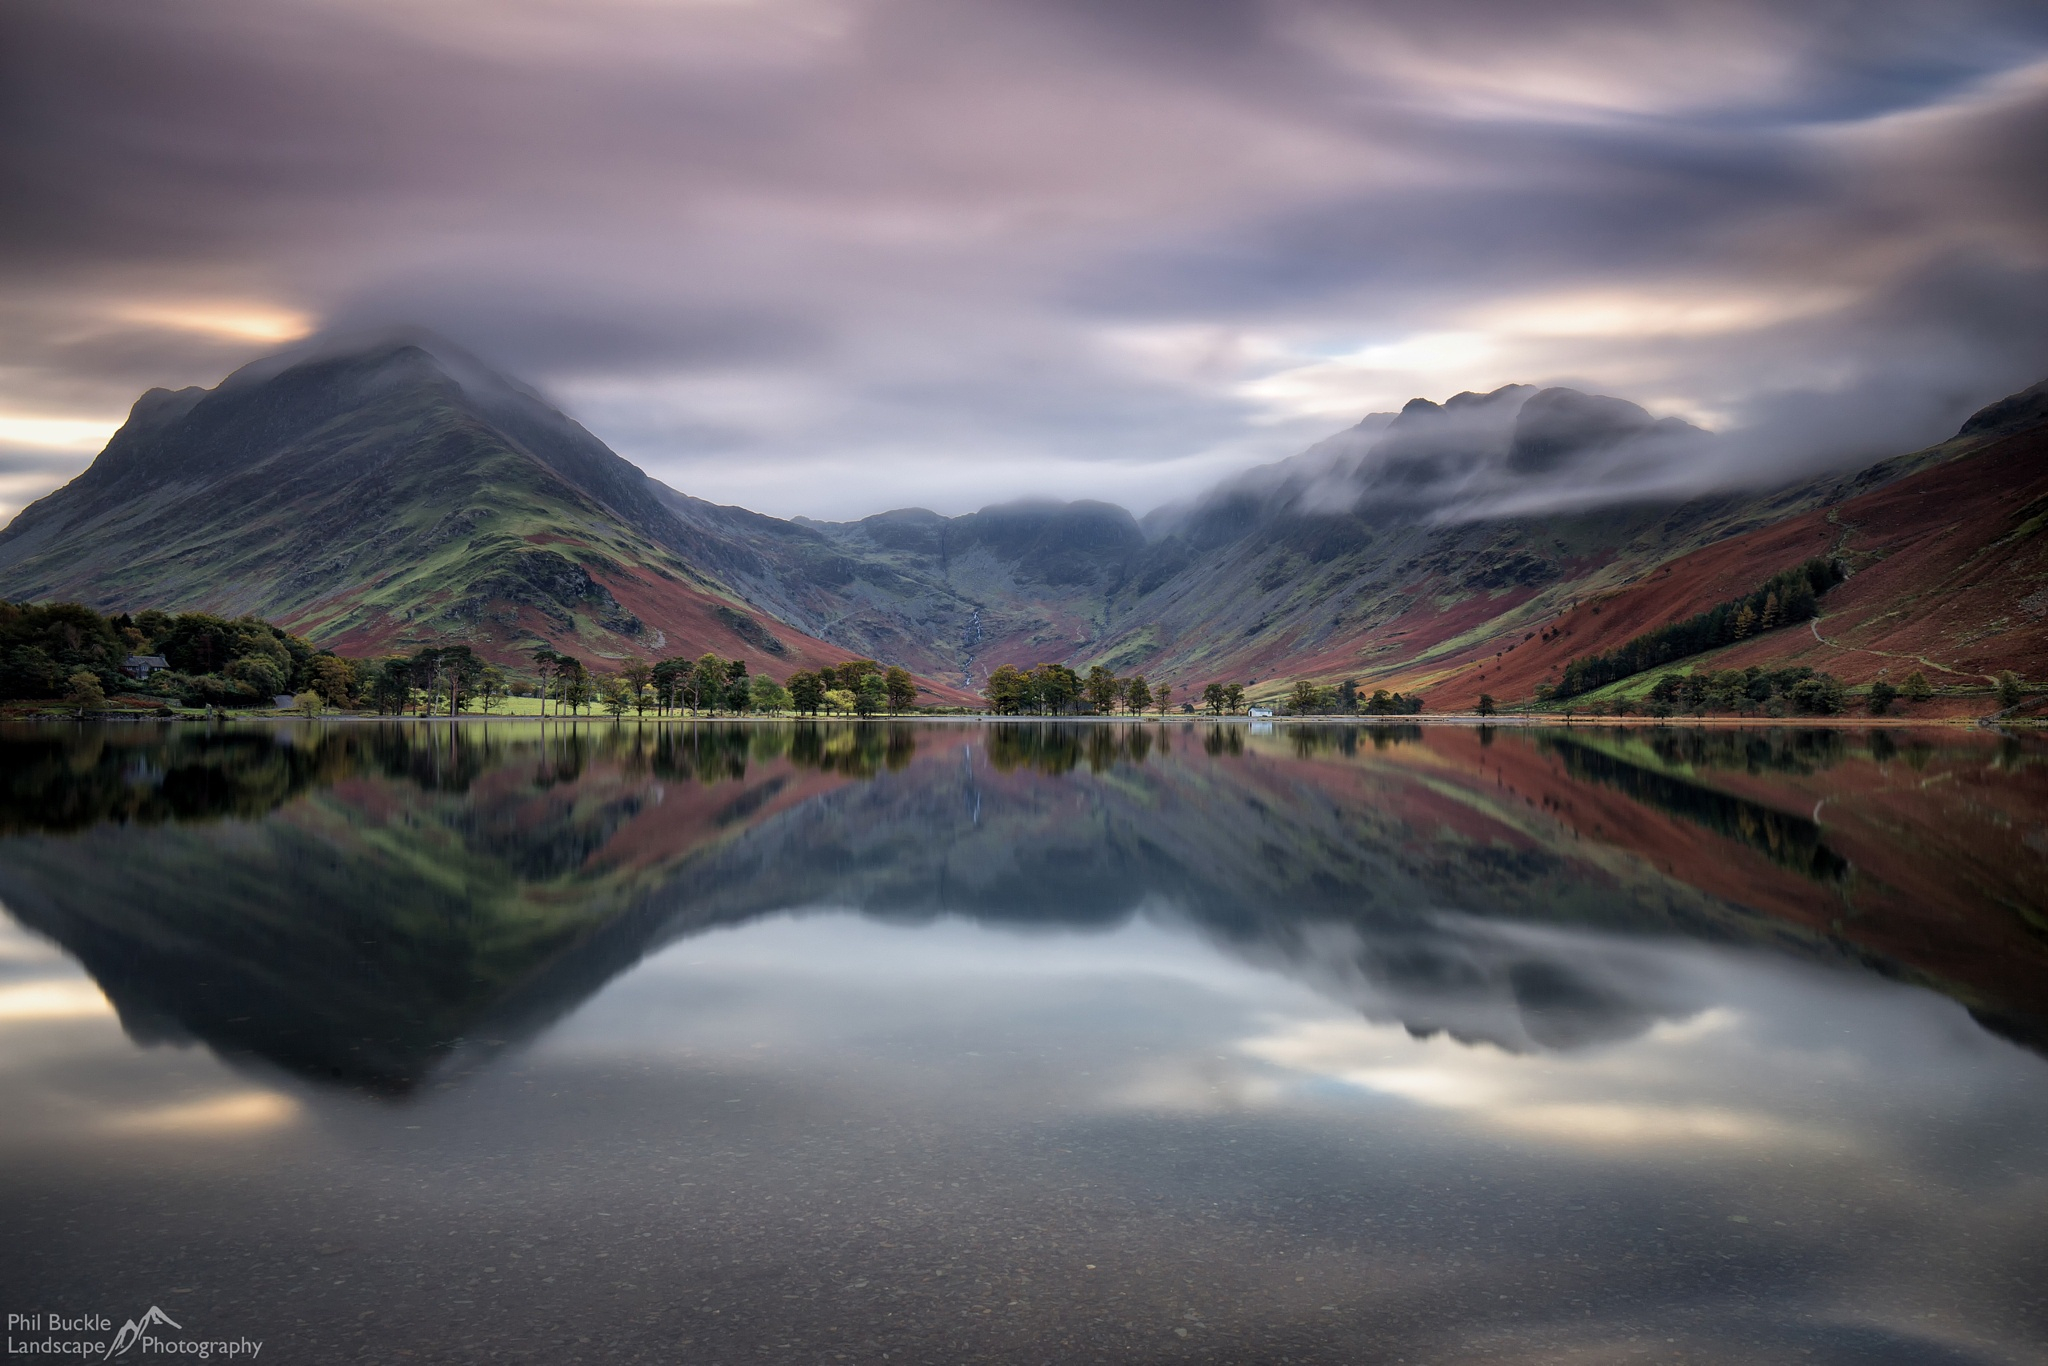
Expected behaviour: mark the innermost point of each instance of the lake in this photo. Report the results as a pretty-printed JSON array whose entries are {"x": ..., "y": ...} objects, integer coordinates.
[{"x": 1034, "y": 1042}]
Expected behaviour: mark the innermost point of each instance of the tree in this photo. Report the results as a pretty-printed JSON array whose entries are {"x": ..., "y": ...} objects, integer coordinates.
[
  {"x": 1233, "y": 696},
  {"x": 838, "y": 701},
  {"x": 871, "y": 696},
  {"x": 1137, "y": 694},
  {"x": 806, "y": 691},
  {"x": 1008, "y": 690},
  {"x": 309, "y": 704},
  {"x": 83, "y": 691},
  {"x": 2010, "y": 689},
  {"x": 639, "y": 676},
  {"x": 769, "y": 696},
  {"x": 572, "y": 682},
  {"x": 391, "y": 686},
  {"x": 334, "y": 678},
  {"x": 1818, "y": 695},
  {"x": 426, "y": 679},
  {"x": 736, "y": 696},
  {"x": 1347, "y": 696},
  {"x": 1056, "y": 686},
  {"x": 1163, "y": 698},
  {"x": 1101, "y": 689},
  {"x": 1380, "y": 703},
  {"x": 1486, "y": 706},
  {"x": 902, "y": 688},
  {"x": 669, "y": 678},
  {"x": 1307, "y": 697},
  {"x": 544, "y": 661},
  {"x": 491, "y": 688},
  {"x": 1881, "y": 696},
  {"x": 1215, "y": 697},
  {"x": 1916, "y": 689},
  {"x": 614, "y": 693},
  {"x": 849, "y": 674},
  {"x": 707, "y": 683},
  {"x": 463, "y": 668}
]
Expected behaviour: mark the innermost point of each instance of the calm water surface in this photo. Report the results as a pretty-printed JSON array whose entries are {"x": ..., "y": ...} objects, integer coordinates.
[{"x": 1031, "y": 1043}]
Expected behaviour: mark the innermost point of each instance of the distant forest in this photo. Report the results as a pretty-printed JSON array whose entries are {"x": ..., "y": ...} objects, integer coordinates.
[
  {"x": 63, "y": 651},
  {"x": 1783, "y": 600},
  {"x": 68, "y": 653}
]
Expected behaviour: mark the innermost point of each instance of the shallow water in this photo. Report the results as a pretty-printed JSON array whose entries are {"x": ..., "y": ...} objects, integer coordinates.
[{"x": 1026, "y": 1043}]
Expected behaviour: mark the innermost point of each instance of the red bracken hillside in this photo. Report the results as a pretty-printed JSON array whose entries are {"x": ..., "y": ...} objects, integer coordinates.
[
  {"x": 398, "y": 493},
  {"x": 1947, "y": 572}
]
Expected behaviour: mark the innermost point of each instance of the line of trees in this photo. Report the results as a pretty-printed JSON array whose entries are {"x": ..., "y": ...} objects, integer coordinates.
[
  {"x": 1310, "y": 699},
  {"x": 67, "y": 652},
  {"x": 860, "y": 687},
  {"x": 444, "y": 680},
  {"x": 711, "y": 685},
  {"x": 1754, "y": 691},
  {"x": 1056, "y": 690},
  {"x": 1782, "y": 600}
]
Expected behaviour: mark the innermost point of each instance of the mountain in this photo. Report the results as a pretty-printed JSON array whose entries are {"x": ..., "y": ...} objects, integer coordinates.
[
  {"x": 1393, "y": 554},
  {"x": 950, "y": 596},
  {"x": 396, "y": 491},
  {"x": 385, "y": 495}
]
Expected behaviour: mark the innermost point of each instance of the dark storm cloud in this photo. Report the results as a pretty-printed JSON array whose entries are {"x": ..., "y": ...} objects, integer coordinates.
[{"x": 897, "y": 251}]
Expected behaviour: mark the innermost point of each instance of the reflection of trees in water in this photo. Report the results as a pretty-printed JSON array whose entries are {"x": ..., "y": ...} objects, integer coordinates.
[
  {"x": 1792, "y": 841},
  {"x": 1310, "y": 741},
  {"x": 1220, "y": 740},
  {"x": 1054, "y": 749},
  {"x": 359, "y": 945},
  {"x": 859, "y": 749},
  {"x": 1794, "y": 750},
  {"x": 73, "y": 778}
]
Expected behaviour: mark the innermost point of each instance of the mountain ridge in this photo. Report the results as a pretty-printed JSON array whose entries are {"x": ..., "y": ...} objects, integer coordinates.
[{"x": 396, "y": 491}]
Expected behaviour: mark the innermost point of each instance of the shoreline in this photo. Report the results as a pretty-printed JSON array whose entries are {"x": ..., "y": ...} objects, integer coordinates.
[{"x": 1517, "y": 720}]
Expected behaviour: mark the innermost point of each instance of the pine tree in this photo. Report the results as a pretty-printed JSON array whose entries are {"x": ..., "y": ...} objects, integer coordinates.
[
  {"x": 1770, "y": 619},
  {"x": 1745, "y": 623},
  {"x": 1917, "y": 689}
]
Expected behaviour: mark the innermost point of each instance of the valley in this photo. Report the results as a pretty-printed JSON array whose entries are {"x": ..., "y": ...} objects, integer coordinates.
[{"x": 401, "y": 494}]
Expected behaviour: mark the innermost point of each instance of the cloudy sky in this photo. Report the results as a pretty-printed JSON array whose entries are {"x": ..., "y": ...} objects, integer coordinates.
[{"x": 833, "y": 256}]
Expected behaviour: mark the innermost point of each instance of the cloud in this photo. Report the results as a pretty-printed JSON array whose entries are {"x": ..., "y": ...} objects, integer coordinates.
[{"x": 826, "y": 256}]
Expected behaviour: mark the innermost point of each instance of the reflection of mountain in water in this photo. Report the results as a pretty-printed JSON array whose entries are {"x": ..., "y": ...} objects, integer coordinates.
[
  {"x": 360, "y": 902},
  {"x": 1793, "y": 841}
]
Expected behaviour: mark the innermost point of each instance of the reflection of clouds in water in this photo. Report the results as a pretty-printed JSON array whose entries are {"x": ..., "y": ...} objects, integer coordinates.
[
  {"x": 1750, "y": 1053},
  {"x": 71, "y": 1070},
  {"x": 59, "y": 1000},
  {"x": 1525, "y": 989},
  {"x": 1671, "y": 1046},
  {"x": 1618, "y": 1099},
  {"x": 213, "y": 1117},
  {"x": 21, "y": 950}
]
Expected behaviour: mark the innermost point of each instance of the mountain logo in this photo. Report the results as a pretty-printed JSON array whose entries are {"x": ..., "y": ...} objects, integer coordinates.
[{"x": 131, "y": 1331}]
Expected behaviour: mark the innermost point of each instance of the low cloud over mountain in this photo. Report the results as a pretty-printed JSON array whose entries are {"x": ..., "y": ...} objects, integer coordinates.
[{"x": 834, "y": 256}]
